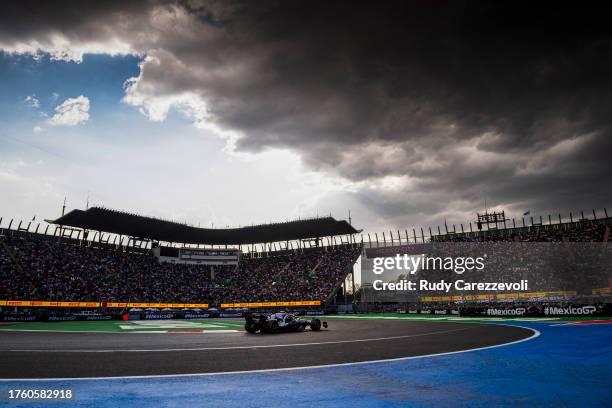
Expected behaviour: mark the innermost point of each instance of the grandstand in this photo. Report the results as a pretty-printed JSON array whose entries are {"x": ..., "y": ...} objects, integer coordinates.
[
  {"x": 107, "y": 258},
  {"x": 71, "y": 265},
  {"x": 545, "y": 229},
  {"x": 566, "y": 262}
]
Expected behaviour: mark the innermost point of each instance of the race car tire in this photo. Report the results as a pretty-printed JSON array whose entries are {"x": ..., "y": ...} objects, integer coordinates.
[
  {"x": 315, "y": 325},
  {"x": 273, "y": 327},
  {"x": 251, "y": 328}
]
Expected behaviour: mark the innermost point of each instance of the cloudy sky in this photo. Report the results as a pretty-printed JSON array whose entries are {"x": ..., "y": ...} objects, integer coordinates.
[{"x": 230, "y": 113}]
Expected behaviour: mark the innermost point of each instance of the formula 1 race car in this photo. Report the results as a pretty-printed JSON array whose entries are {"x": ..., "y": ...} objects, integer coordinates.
[{"x": 272, "y": 323}]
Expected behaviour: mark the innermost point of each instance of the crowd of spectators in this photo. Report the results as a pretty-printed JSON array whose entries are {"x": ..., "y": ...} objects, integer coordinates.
[
  {"x": 309, "y": 275},
  {"x": 34, "y": 267},
  {"x": 586, "y": 231},
  {"x": 547, "y": 266},
  {"x": 559, "y": 258}
]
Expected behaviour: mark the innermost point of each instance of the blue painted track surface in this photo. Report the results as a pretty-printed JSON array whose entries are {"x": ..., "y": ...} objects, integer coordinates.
[{"x": 568, "y": 365}]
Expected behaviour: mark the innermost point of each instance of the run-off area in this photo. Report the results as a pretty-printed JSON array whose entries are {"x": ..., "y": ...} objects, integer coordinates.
[{"x": 133, "y": 326}]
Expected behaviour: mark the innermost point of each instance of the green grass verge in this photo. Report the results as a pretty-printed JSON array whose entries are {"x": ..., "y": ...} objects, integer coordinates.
[{"x": 133, "y": 326}]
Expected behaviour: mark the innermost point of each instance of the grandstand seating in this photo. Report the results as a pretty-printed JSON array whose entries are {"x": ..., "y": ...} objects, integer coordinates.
[
  {"x": 39, "y": 267},
  {"x": 540, "y": 254},
  {"x": 585, "y": 231},
  {"x": 35, "y": 267}
]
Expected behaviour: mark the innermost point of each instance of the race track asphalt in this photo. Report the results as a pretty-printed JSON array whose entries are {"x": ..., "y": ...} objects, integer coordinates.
[{"x": 78, "y": 355}]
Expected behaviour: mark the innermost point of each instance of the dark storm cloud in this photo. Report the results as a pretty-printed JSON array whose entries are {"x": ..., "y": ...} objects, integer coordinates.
[
  {"x": 459, "y": 100},
  {"x": 77, "y": 20}
]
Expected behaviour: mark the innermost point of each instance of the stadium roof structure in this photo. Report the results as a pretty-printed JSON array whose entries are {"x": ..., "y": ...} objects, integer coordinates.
[{"x": 123, "y": 223}]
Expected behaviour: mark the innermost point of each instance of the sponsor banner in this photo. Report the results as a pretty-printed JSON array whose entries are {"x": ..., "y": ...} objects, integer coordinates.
[
  {"x": 231, "y": 315},
  {"x": 566, "y": 293},
  {"x": 570, "y": 311},
  {"x": 519, "y": 311},
  {"x": 500, "y": 296},
  {"x": 169, "y": 305},
  {"x": 140, "y": 304},
  {"x": 440, "y": 312},
  {"x": 67, "y": 318},
  {"x": 25, "y": 318},
  {"x": 116, "y": 304},
  {"x": 95, "y": 317},
  {"x": 61, "y": 318},
  {"x": 45, "y": 303},
  {"x": 430, "y": 311},
  {"x": 158, "y": 305},
  {"x": 155, "y": 305},
  {"x": 536, "y": 310},
  {"x": 527, "y": 295},
  {"x": 240, "y": 305},
  {"x": 155, "y": 316},
  {"x": 270, "y": 304},
  {"x": 500, "y": 311},
  {"x": 515, "y": 295},
  {"x": 196, "y": 315},
  {"x": 597, "y": 291},
  {"x": 482, "y": 297}
]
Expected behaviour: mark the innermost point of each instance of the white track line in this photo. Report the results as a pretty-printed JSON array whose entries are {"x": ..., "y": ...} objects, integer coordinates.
[
  {"x": 536, "y": 334},
  {"x": 231, "y": 347}
]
